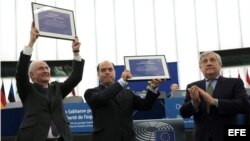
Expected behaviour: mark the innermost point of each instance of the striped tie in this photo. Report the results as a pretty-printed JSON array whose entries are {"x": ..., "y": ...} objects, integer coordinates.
[{"x": 210, "y": 90}]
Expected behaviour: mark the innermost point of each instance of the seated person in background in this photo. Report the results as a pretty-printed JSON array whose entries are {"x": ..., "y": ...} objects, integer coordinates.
[
  {"x": 113, "y": 105},
  {"x": 173, "y": 87}
]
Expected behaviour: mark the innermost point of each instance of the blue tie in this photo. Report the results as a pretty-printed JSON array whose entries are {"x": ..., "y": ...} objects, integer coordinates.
[
  {"x": 46, "y": 91},
  {"x": 54, "y": 129}
]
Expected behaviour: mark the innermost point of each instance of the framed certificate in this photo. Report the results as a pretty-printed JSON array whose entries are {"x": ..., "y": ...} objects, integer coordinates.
[
  {"x": 147, "y": 67},
  {"x": 54, "y": 22}
]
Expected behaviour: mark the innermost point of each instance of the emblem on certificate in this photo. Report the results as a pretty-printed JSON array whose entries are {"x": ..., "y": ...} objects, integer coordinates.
[
  {"x": 147, "y": 67},
  {"x": 54, "y": 22}
]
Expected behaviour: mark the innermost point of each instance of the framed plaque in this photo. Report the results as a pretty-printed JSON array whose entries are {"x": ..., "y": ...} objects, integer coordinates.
[
  {"x": 147, "y": 67},
  {"x": 54, "y": 22}
]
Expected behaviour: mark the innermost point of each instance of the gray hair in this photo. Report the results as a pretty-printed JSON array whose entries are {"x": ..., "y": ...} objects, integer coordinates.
[
  {"x": 32, "y": 67},
  {"x": 204, "y": 54}
]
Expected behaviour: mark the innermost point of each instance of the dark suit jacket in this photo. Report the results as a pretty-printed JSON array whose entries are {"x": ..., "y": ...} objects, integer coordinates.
[
  {"x": 232, "y": 100},
  {"x": 40, "y": 109},
  {"x": 248, "y": 115},
  {"x": 112, "y": 116}
]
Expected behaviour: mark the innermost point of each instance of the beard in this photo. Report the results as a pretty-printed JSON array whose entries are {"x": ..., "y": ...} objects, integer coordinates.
[{"x": 107, "y": 81}]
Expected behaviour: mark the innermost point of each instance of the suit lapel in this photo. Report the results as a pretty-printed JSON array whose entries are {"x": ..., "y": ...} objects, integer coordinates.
[
  {"x": 115, "y": 99},
  {"x": 101, "y": 87},
  {"x": 202, "y": 84},
  {"x": 218, "y": 87},
  {"x": 40, "y": 91},
  {"x": 51, "y": 94}
]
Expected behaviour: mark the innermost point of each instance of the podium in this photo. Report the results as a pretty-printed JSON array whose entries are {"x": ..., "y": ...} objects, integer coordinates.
[
  {"x": 157, "y": 111},
  {"x": 160, "y": 129},
  {"x": 79, "y": 115},
  {"x": 172, "y": 109}
]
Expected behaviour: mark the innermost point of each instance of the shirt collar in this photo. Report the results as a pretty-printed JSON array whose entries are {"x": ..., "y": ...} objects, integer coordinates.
[{"x": 216, "y": 78}]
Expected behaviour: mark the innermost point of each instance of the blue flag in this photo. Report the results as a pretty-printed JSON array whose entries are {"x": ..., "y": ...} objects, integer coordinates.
[
  {"x": 167, "y": 135},
  {"x": 11, "y": 96}
]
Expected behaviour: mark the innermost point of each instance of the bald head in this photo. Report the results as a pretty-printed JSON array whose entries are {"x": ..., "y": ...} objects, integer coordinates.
[
  {"x": 174, "y": 87},
  {"x": 104, "y": 62}
]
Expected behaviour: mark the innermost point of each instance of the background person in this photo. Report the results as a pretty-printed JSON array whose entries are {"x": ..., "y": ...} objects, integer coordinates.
[{"x": 173, "y": 88}]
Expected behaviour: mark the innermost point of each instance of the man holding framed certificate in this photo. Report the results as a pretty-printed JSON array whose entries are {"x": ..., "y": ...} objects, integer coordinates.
[
  {"x": 113, "y": 105},
  {"x": 44, "y": 118}
]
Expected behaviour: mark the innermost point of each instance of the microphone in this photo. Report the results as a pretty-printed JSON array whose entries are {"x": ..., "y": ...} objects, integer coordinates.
[{"x": 165, "y": 107}]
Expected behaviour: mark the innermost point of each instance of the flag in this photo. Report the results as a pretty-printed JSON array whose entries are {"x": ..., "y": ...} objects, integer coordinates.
[
  {"x": 3, "y": 98},
  {"x": 248, "y": 78},
  {"x": 73, "y": 92},
  {"x": 11, "y": 96},
  {"x": 167, "y": 135},
  {"x": 239, "y": 75}
]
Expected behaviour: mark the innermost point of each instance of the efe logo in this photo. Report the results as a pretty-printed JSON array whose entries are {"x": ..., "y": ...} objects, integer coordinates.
[{"x": 236, "y": 132}]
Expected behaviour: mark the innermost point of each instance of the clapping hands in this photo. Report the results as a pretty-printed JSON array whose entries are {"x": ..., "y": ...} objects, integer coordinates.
[{"x": 195, "y": 93}]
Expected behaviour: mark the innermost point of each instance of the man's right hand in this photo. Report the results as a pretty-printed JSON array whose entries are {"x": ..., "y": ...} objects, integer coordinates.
[{"x": 194, "y": 94}]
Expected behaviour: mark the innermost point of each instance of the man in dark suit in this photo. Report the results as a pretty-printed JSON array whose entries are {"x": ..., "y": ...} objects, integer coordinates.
[
  {"x": 113, "y": 105},
  {"x": 44, "y": 118},
  {"x": 215, "y": 101},
  {"x": 248, "y": 115}
]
